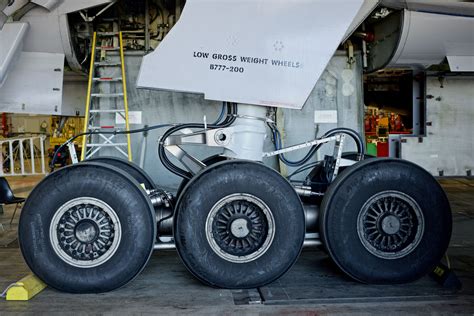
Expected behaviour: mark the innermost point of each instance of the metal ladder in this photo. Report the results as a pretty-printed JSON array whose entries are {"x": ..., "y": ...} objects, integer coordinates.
[{"x": 106, "y": 106}]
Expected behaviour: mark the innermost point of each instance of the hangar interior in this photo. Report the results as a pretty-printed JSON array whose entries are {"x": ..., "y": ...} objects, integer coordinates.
[{"x": 395, "y": 78}]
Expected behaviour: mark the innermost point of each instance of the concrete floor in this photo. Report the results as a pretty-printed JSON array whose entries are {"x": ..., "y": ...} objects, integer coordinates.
[{"x": 313, "y": 286}]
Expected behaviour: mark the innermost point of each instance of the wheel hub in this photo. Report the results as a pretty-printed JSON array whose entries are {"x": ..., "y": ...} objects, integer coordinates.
[
  {"x": 390, "y": 225},
  {"x": 85, "y": 232},
  {"x": 240, "y": 228}
]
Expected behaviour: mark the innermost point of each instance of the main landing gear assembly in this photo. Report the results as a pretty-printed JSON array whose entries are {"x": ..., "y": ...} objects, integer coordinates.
[{"x": 235, "y": 222}]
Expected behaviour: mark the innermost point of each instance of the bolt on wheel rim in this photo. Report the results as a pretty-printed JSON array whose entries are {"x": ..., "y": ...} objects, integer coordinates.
[
  {"x": 85, "y": 232},
  {"x": 240, "y": 228},
  {"x": 390, "y": 225}
]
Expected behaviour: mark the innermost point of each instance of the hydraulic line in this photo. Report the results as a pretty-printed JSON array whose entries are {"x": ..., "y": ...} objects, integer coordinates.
[
  {"x": 135, "y": 131},
  {"x": 221, "y": 115},
  {"x": 231, "y": 117},
  {"x": 350, "y": 132},
  {"x": 231, "y": 109},
  {"x": 229, "y": 120}
]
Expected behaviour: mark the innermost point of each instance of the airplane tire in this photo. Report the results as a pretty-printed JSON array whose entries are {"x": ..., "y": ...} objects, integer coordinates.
[
  {"x": 87, "y": 228},
  {"x": 239, "y": 224},
  {"x": 209, "y": 161},
  {"x": 129, "y": 167},
  {"x": 385, "y": 221}
]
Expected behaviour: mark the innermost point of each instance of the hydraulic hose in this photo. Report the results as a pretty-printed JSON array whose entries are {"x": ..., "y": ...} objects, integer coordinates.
[
  {"x": 231, "y": 117},
  {"x": 350, "y": 132},
  {"x": 135, "y": 131}
]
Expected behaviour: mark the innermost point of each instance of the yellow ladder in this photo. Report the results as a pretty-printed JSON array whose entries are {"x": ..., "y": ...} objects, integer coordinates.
[{"x": 104, "y": 109}]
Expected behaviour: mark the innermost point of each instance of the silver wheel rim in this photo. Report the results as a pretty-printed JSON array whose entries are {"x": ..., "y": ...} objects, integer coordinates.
[
  {"x": 85, "y": 232},
  {"x": 250, "y": 227},
  {"x": 390, "y": 225}
]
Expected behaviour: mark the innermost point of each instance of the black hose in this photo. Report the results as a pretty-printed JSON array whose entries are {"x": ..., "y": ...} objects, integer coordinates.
[
  {"x": 353, "y": 134},
  {"x": 135, "y": 131},
  {"x": 231, "y": 110},
  {"x": 302, "y": 169},
  {"x": 221, "y": 115},
  {"x": 231, "y": 117}
]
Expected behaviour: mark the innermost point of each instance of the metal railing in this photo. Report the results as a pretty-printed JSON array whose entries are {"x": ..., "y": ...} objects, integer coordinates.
[{"x": 22, "y": 156}]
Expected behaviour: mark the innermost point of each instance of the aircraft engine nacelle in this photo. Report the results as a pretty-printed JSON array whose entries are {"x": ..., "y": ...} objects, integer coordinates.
[{"x": 422, "y": 38}]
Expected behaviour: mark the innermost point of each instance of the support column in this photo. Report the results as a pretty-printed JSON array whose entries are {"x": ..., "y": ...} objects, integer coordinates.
[{"x": 249, "y": 133}]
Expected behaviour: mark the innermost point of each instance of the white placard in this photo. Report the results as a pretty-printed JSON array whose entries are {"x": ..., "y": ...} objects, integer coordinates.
[
  {"x": 326, "y": 116},
  {"x": 134, "y": 117},
  {"x": 258, "y": 59}
]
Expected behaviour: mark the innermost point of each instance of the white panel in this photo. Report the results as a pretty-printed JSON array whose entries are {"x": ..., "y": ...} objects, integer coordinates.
[
  {"x": 74, "y": 98},
  {"x": 17, "y": 4},
  {"x": 3, "y": 19},
  {"x": 428, "y": 38},
  {"x": 62, "y": 6},
  {"x": 35, "y": 85},
  {"x": 461, "y": 63},
  {"x": 44, "y": 34},
  {"x": 453, "y": 7},
  {"x": 48, "y": 4},
  {"x": 68, "y": 6},
  {"x": 11, "y": 42},
  {"x": 277, "y": 49},
  {"x": 448, "y": 146}
]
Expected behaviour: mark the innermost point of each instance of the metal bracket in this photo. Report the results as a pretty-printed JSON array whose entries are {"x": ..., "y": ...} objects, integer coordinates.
[
  {"x": 3, "y": 19},
  {"x": 212, "y": 138},
  {"x": 338, "y": 147},
  {"x": 72, "y": 153},
  {"x": 350, "y": 53},
  {"x": 5, "y": 3},
  {"x": 300, "y": 146},
  {"x": 3, "y": 16},
  {"x": 191, "y": 163},
  {"x": 219, "y": 137},
  {"x": 92, "y": 18}
]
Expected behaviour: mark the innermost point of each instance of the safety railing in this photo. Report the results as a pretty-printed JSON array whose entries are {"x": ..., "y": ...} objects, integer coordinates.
[{"x": 22, "y": 156}]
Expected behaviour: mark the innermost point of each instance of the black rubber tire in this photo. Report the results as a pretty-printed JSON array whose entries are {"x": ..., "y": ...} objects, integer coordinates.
[
  {"x": 129, "y": 167},
  {"x": 353, "y": 155},
  {"x": 209, "y": 161},
  {"x": 110, "y": 185},
  {"x": 346, "y": 197},
  {"x": 209, "y": 187}
]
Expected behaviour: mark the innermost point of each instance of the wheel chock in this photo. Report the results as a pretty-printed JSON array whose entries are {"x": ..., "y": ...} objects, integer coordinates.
[
  {"x": 446, "y": 277},
  {"x": 25, "y": 289}
]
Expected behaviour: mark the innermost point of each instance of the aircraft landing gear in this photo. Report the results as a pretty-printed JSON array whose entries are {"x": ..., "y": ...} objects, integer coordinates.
[{"x": 236, "y": 223}]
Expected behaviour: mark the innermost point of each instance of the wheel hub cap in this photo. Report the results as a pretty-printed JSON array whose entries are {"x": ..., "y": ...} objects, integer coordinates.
[
  {"x": 85, "y": 232},
  {"x": 390, "y": 225},
  {"x": 240, "y": 228}
]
